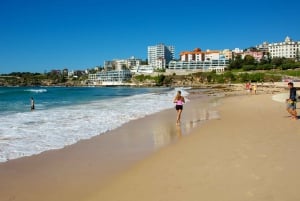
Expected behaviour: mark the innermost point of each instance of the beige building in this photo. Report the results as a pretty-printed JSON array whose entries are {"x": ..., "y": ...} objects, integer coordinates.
[
  {"x": 208, "y": 55},
  {"x": 121, "y": 64}
]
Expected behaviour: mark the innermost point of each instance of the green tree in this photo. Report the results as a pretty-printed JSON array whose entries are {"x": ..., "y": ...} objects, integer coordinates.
[
  {"x": 159, "y": 80},
  {"x": 140, "y": 78},
  {"x": 229, "y": 76},
  {"x": 211, "y": 76},
  {"x": 249, "y": 60},
  {"x": 249, "y": 67},
  {"x": 236, "y": 63},
  {"x": 266, "y": 66},
  {"x": 277, "y": 61},
  {"x": 265, "y": 60},
  {"x": 244, "y": 77},
  {"x": 256, "y": 77},
  {"x": 220, "y": 78}
]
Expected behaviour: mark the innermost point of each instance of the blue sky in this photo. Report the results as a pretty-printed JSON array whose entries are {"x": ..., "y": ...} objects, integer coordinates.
[{"x": 40, "y": 35}]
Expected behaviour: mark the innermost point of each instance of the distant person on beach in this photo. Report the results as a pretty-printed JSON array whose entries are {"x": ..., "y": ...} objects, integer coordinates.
[
  {"x": 254, "y": 88},
  {"x": 248, "y": 87},
  {"x": 179, "y": 100},
  {"x": 291, "y": 101},
  {"x": 32, "y": 104}
]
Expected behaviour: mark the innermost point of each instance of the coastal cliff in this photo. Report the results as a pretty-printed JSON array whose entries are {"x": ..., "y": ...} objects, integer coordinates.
[{"x": 159, "y": 79}]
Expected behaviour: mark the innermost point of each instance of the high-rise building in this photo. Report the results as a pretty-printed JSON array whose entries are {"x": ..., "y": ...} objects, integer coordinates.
[{"x": 160, "y": 55}]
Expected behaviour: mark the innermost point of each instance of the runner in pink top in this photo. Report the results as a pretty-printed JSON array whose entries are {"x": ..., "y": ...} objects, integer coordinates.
[{"x": 179, "y": 100}]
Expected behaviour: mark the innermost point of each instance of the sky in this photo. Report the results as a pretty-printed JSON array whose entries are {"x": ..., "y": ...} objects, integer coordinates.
[{"x": 41, "y": 35}]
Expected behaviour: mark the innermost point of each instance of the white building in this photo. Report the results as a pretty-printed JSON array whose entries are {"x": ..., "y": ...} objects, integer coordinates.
[
  {"x": 121, "y": 64},
  {"x": 263, "y": 47},
  {"x": 195, "y": 55},
  {"x": 160, "y": 55},
  {"x": 212, "y": 55},
  {"x": 112, "y": 77},
  {"x": 286, "y": 49},
  {"x": 203, "y": 66},
  {"x": 133, "y": 62},
  {"x": 237, "y": 50},
  {"x": 142, "y": 69},
  {"x": 201, "y": 61}
]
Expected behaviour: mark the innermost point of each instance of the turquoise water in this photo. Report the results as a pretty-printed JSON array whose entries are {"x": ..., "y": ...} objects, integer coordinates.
[
  {"x": 65, "y": 115},
  {"x": 17, "y": 99}
]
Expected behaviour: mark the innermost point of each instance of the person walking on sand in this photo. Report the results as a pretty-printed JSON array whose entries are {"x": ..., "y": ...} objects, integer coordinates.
[
  {"x": 247, "y": 87},
  {"x": 32, "y": 104},
  {"x": 179, "y": 100},
  {"x": 291, "y": 101},
  {"x": 254, "y": 88}
]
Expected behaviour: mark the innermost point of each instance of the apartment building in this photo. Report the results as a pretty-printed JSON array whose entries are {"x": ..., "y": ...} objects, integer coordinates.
[
  {"x": 202, "y": 60},
  {"x": 203, "y": 66},
  {"x": 195, "y": 55},
  {"x": 257, "y": 55},
  {"x": 111, "y": 77},
  {"x": 160, "y": 55},
  {"x": 121, "y": 64},
  {"x": 287, "y": 49},
  {"x": 208, "y": 55}
]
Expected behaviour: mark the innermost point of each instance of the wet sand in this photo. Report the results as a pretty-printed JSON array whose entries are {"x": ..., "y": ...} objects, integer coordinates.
[{"x": 78, "y": 171}]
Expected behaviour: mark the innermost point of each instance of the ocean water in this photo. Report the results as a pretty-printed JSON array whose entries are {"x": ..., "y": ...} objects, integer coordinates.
[
  {"x": 65, "y": 115},
  {"x": 280, "y": 97}
]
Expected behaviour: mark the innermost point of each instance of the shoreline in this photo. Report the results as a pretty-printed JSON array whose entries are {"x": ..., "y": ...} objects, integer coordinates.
[
  {"x": 250, "y": 153},
  {"x": 92, "y": 163},
  {"x": 77, "y": 172}
]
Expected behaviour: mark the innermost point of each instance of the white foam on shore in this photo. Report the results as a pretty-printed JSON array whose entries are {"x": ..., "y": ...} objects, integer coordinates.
[
  {"x": 30, "y": 133},
  {"x": 280, "y": 97}
]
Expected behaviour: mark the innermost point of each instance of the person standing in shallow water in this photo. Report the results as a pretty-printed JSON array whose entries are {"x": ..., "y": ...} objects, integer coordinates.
[
  {"x": 32, "y": 104},
  {"x": 179, "y": 100}
]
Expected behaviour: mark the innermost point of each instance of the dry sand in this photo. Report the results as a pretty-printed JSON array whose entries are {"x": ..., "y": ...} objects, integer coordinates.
[{"x": 250, "y": 153}]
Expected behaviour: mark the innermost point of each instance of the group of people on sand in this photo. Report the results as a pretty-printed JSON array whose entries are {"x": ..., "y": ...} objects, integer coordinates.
[
  {"x": 290, "y": 101},
  {"x": 251, "y": 88}
]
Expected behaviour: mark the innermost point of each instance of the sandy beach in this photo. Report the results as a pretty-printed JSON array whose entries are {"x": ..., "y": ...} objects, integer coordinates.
[
  {"x": 251, "y": 153},
  {"x": 79, "y": 170},
  {"x": 248, "y": 152}
]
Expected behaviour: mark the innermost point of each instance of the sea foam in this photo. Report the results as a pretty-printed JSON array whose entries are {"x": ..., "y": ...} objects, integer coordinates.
[{"x": 29, "y": 133}]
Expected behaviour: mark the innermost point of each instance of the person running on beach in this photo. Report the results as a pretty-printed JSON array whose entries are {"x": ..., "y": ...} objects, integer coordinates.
[
  {"x": 32, "y": 104},
  {"x": 179, "y": 100},
  {"x": 291, "y": 101}
]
